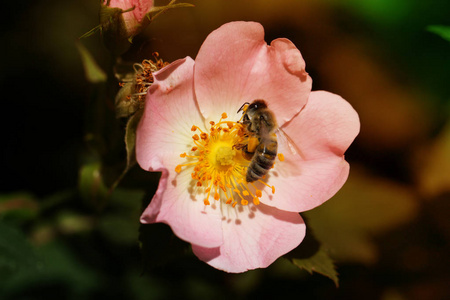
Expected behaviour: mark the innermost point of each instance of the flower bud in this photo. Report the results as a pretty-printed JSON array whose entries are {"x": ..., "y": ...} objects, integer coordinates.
[{"x": 121, "y": 20}]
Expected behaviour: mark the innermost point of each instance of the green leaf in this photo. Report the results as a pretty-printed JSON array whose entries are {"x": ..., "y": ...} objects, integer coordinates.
[
  {"x": 121, "y": 223},
  {"x": 91, "y": 32},
  {"x": 18, "y": 207},
  {"x": 130, "y": 138},
  {"x": 124, "y": 104},
  {"x": 313, "y": 257},
  {"x": 61, "y": 275},
  {"x": 91, "y": 185},
  {"x": 320, "y": 263},
  {"x": 16, "y": 254},
  {"x": 130, "y": 145},
  {"x": 92, "y": 70},
  {"x": 161, "y": 9},
  {"x": 442, "y": 31}
]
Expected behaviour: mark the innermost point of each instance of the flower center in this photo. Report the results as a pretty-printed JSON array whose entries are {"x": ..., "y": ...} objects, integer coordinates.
[
  {"x": 218, "y": 168},
  {"x": 224, "y": 155}
]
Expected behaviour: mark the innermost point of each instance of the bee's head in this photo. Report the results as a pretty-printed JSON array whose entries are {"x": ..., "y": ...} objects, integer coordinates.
[
  {"x": 251, "y": 108},
  {"x": 257, "y": 104}
]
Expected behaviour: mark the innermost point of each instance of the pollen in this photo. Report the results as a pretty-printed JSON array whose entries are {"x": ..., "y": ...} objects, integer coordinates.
[
  {"x": 281, "y": 156},
  {"x": 217, "y": 166}
]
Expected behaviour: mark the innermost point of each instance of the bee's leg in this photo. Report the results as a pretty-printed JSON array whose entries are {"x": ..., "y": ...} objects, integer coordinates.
[
  {"x": 249, "y": 150},
  {"x": 244, "y": 150},
  {"x": 246, "y": 154},
  {"x": 239, "y": 146},
  {"x": 253, "y": 142}
]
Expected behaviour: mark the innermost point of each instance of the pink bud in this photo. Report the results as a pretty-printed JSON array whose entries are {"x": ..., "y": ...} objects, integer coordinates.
[
  {"x": 121, "y": 20},
  {"x": 133, "y": 12}
]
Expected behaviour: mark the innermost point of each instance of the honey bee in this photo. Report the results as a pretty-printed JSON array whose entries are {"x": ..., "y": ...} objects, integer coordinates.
[{"x": 261, "y": 126}]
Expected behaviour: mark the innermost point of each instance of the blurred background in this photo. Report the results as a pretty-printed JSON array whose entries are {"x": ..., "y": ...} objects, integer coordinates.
[{"x": 63, "y": 237}]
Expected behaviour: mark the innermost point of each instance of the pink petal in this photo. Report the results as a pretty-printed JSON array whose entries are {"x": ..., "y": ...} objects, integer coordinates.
[
  {"x": 256, "y": 239},
  {"x": 142, "y": 7},
  {"x": 164, "y": 132},
  {"x": 170, "y": 112},
  {"x": 322, "y": 133},
  {"x": 303, "y": 185},
  {"x": 235, "y": 65},
  {"x": 327, "y": 126}
]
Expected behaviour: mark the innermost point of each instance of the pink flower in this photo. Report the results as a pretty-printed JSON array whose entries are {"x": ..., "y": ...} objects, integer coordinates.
[{"x": 234, "y": 225}]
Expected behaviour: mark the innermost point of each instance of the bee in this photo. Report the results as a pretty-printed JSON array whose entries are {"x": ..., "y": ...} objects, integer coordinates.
[{"x": 261, "y": 126}]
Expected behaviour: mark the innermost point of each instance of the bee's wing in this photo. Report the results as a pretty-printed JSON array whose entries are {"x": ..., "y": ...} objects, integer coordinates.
[{"x": 284, "y": 139}]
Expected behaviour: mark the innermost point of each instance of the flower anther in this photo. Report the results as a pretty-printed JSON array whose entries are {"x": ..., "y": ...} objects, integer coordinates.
[{"x": 217, "y": 168}]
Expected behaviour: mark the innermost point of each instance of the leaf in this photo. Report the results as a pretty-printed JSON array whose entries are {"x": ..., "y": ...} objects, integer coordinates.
[
  {"x": 130, "y": 145},
  {"x": 313, "y": 257},
  {"x": 442, "y": 31},
  {"x": 121, "y": 223},
  {"x": 162, "y": 9},
  {"x": 18, "y": 207},
  {"x": 91, "y": 184},
  {"x": 130, "y": 138},
  {"x": 91, "y": 32},
  {"x": 92, "y": 70},
  {"x": 16, "y": 254},
  {"x": 61, "y": 275},
  {"x": 320, "y": 263}
]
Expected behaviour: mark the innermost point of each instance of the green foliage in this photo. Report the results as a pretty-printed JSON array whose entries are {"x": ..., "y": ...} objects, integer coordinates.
[
  {"x": 16, "y": 254},
  {"x": 130, "y": 139},
  {"x": 93, "y": 72},
  {"x": 18, "y": 207},
  {"x": 91, "y": 184},
  {"x": 120, "y": 223},
  {"x": 158, "y": 10},
  {"x": 311, "y": 256},
  {"x": 442, "y": 31}
]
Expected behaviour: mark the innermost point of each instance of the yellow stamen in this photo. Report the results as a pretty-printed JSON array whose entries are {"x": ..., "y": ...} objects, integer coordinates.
[
  {"x": 281, "y": 156},
  {"x": 218, "y": 168}
]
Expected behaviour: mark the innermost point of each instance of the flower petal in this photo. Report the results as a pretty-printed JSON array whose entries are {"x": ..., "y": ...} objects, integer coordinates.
[
  {"x": 170, "y": 112},
  {"x": 301, "y": 187},
  {"x": 322, "y": 132},
  {"x": 162, "y": 135},
  {"x": 327, "y": 126},
  {"x": 188, "y": 217},
  {"x": 235, "y": 65},
  {"x": 256, "y": 239}
]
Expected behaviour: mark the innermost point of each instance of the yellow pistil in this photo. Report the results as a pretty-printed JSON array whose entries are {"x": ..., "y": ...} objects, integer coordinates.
[{"x": 217, "y": 167}]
